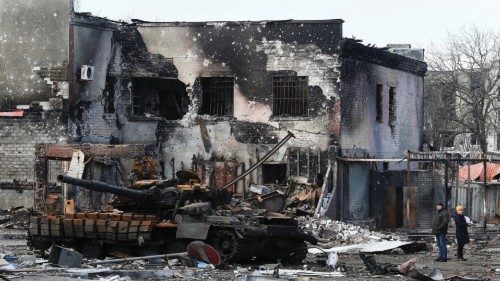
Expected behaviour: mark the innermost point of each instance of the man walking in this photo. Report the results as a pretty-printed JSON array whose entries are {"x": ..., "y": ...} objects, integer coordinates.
[{"x": 440, "y": 229}]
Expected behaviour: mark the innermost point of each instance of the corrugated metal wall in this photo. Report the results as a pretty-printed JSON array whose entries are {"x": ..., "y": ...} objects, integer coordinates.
[
  {"x": 428, "y": 184},
  {"x": 386, "y": 198},
  {"x": 359, "y": 195},
  {"x": 472, "y": 199}
]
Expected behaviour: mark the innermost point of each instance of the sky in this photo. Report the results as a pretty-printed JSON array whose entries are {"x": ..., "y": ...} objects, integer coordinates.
[{"x": 419, "y": 23}]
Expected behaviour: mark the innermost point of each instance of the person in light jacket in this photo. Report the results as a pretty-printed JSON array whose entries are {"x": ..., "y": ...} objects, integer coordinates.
[
  {"x": 461, "y": 232},
  {"x": 440, "y": 229}
]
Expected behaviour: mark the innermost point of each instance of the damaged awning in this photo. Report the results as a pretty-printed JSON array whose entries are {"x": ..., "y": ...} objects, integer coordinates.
[
  {"x": 12, "y": 113},
  {"x": 477, "y": 172}
]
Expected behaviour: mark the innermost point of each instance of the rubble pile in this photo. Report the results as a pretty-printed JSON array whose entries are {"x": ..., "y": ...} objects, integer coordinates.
[
  {"x": 15, "y": 217},
  {"x": 337, "y": 232}
]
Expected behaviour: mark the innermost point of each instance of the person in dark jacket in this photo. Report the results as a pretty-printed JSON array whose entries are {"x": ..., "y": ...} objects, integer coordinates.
[
  {"x": 440, "y": 229},
  {"x": 461, "y": 232}
]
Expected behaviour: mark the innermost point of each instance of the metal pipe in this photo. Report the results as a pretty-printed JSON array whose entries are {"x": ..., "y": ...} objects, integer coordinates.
[
  {"x": 103, "y": 187},
  {"x": 258, "y": 163}
]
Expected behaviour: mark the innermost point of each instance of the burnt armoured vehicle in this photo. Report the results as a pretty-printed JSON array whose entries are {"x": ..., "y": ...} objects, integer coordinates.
[
  {"x": 162, "y": 216},
  {"x": 165, "y": 215}
]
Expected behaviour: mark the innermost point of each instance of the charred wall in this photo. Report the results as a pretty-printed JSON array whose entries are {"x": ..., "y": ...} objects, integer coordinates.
[
  {"x": 90, "y": 45},
  {"x": 366, "y": 120},
  {"x": 252, "y": 53},
  {"x": 101, "y": 110},
  {"x": 32, "y": 33},
  {"x": 33, "y": 45}
]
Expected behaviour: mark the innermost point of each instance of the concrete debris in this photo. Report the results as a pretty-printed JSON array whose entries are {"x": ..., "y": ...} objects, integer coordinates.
[
  {"x": 258, "y": 278},
  {"x": 65, "y": 257},
  {"x": 136, "y": 258},
  {"x": 115, "y": 278},
  {"x": 337, "y": 232},
  {"x": 26, "y": 260},
  {"x": 15, "y": 217},
  {"x": 408, "y": 269},
  {"x": 289, "y": 273}
]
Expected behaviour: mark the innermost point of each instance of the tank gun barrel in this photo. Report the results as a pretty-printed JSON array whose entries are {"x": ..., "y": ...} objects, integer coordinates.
[{"x": 104, "y": 187}]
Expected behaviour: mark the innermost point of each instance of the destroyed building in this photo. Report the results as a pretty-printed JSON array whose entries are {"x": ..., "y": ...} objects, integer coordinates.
[{"x": 214, "y": 97}]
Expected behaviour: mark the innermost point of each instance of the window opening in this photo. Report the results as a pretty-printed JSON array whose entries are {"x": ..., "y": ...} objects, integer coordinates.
[
  {"x": 217, "y": 96},
  {"x": 392, "y": 107},
  {"x": 158, "y": 97},
  {"x": 378, "y": 103},
  {"x": 274, "y": 173},
  {"x": 108, "y": 95},
  {"x": 290, "y": 95}
]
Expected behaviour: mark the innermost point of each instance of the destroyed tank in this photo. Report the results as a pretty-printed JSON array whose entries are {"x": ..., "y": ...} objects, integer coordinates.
[{"x": 166, "y": 216}]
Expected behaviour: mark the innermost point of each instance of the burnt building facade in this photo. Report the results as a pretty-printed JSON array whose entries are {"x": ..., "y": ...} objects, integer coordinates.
[
  {"x": 214, "y": 97},
  {"x": 34, "y": 47}
]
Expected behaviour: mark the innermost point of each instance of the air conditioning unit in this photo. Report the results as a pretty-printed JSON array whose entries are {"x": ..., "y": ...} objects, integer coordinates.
[{"x": 87, "y": 73}]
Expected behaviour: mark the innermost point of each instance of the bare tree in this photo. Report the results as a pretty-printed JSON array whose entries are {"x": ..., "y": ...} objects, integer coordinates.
[{"x": 462, "y": 87}]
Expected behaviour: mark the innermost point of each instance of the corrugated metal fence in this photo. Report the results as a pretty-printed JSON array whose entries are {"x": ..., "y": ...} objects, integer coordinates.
[{"x": 471, "y": 196}]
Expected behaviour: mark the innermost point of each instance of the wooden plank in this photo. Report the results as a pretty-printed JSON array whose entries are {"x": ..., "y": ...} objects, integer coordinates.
[
  {"x": 80, "y": 215},
  {"x": 145, "y": 230},
  {"x": 138, "y": 217},
  {"x": 111, "y": 231},
  {"x": 93, "y": 216},
  {"x": 122, "y": 232},
  {"x": 69, "y": 216},
  {"x": 56, "y": 228},
  {"x": 101, "y": 227},
  {"x": 90, "y": 228},
  {"x": 44, "y": 227},
  {"x": 151, "y": 218},
  {"x": 133, "y": 230},
  {"x": 34, "y": 226},
  {"x": 69, "y": 206},
  {"x": 103, "y": 216},
  {"x": 127, "y": 216},
  {"x": 69, "y": 228},
  {"x": 116, "y": 216},
  {"x": 79, "y": 228}
]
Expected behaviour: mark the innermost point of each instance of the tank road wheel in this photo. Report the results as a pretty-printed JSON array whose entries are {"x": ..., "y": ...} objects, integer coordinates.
[{"x": 229, "y": 246}]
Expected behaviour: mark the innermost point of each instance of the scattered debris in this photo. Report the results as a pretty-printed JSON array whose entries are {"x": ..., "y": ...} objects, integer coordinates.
[
  {"x": 65, "y": 257},
  {"x": 136, "y": 258},
  {"x": 295, "y": 272},
  {"x": 372, "y": 247}
]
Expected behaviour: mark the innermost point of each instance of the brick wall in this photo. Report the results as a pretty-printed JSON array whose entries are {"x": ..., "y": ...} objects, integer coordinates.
[
  {"x": 14, "y": 198},
  {"x": 17, "y": 146}
]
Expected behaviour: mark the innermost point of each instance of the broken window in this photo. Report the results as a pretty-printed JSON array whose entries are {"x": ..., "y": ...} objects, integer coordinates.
[
  {"x": 274, "y": 173},
  {"x": 378, "y": 103},
  {"x": 305, "y": 162},
  {"x": 290, "y": 95},
  {"x": 158, "y": 97},
  {"x": 217, "y": 96},
  {"x": 392, "y": 107},
  {"x": 108, "y": 95}
]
